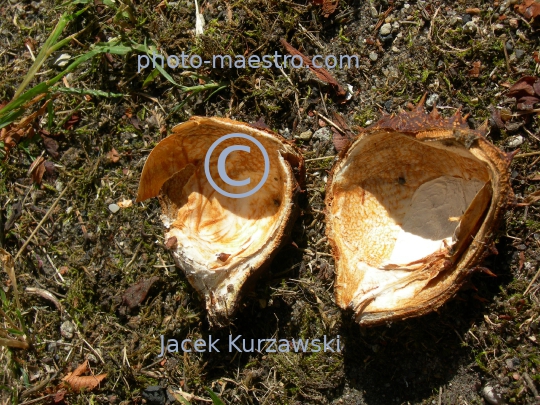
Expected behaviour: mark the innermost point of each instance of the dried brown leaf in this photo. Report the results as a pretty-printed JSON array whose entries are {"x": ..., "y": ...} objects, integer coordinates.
[
  {"x": 125, "y": 203},
  {"x": 475, "y": 71},
  {"x": 9, "y": 267},
  {"x": 136, "y": 294},
  {"x": 528, "y": 8},
  {"x": 523, "y": 87},
  {"x": 37, "y": 170},
  {"x": 321, "y": 73},
  {"x": 113, "y": 156},
  {"x": 532, "y": 198},
  {"x": 527, "y": 102},
  {"x": 77, "y": 381},
  {"x": 73, "y": 120},
  {"x": 51, "y": 146}
]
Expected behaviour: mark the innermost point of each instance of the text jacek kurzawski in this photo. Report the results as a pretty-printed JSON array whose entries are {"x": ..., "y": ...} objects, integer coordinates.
[{"x": 243, "y": 345}]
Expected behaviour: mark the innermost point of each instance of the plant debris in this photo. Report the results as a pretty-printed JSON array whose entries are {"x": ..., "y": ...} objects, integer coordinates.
[
  {"x": 137, "y": 293},
  {"x": 77, "y": 381}
]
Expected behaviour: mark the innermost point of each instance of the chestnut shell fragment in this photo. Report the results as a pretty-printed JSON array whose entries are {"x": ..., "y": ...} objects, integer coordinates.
[
  {"x": 223, "y": 243},
  {"x": 411, "y": 209}
]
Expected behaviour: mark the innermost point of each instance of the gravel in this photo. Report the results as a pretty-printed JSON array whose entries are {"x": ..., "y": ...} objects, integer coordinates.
[
  {"x": 386, "y": 29},
  {"x": 515, "y": 141}
]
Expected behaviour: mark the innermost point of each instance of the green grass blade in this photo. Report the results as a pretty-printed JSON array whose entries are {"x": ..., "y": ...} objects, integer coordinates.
[
  {"x": 90, "y": 92},
  {"x": 215, "y": 399},
  {"x": 44, "y": 87},
  {"x": 49, "y": 46},
  {"x": 150, "y": 78}
]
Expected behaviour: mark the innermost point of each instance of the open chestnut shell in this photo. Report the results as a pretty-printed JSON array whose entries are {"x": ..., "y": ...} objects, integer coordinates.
[
  {"x": 411, "y": 208},
  {"x": 222, "y": 242}
]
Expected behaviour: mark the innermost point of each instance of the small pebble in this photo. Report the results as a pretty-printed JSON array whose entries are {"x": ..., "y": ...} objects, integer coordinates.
[
  {"x": 470, "y": 28},
  {"x": 509, "y": 46},
  {"x": 466, "y": 18},
  {"x": 492, "y": 397},
  {"x": 514, "y": 22},
  {"x": 432, "y": 100},
  {"x": 455, "y": 20},
  {"x": 519, "y": 53},
  {"x": 395, "y": 49},
  {"x": 374, "y": 12},
  {"x": 305, "y": 136},
  {"x": 515, "y": 141},
  {"x": 285, "y": 133},
  {"x": 386, "y": 29},
  {"x": 154, "y": 395},
  {"x": 67, "y": 329},
  {"x": 373, "y": 56},
  {"x": 323, "y": 134},
  {"x": 114, "y": 208}
]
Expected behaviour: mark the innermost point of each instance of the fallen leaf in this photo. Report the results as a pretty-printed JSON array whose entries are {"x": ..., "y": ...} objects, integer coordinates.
[
  {"x": 59, "y": 396},
  {"x": 521, "y": 260},
  {"x": 528, "y": 8},
  {"x": 475, "y": 71},
  {"x": 523, "y": 87},
  {"x": 51, "y": 146},
  {"x": 527, "y": 103},
  {"x": 535, "y": 177},
  {"x": 77, "y": 381},
  {"x": 134, "y": 120},
  {"x": 16, "y": 212},
  {"x": 125, "y": 203},
  {"x": 496, "y": 119},
  {"x": 73, "y": 120},
  {"x": 329, "y": 6},
  {"x": 161, "y": 6},
  {"x": 136, "y": 294},
  {"x": 259, "y": 124},
  {"x": 532, "y": 198},
  {"x": 341, "y": 142},
  {"x": 113, "y": 156},
  {"x": 321, "y": 73},
  {"x": 37, "y": 170},
  {"x": 13, "y": 133}
]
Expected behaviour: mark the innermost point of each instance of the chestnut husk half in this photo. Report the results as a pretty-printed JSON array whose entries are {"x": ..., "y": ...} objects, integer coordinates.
[{"x": 221, "y": 243}]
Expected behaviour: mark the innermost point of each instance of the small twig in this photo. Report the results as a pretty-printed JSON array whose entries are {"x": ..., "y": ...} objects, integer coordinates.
[
  {"x": 17, "y": 344},
  {"x": 134, "y": 256},
  {"x": 93, "y": 350},
  {"x": 49, "y": 212},
  {"x": 431, "y": 26},
  {"x": 508, "y": 69},
  {"x": 527, "y": 154},
  {"x": 329, "y": 122},
  {"x": 532, "y": 281},
  {"x": 55, "y": 268},
  {"x": 33, "y": 401},
  {"x": 45, "y": 294},
  {"x": 320, "y": 158}
]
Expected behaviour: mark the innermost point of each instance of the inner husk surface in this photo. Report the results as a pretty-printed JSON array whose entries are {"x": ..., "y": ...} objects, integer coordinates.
[
  {"x": 396, "y": 201},
  {"x": 214, "y": 230}
]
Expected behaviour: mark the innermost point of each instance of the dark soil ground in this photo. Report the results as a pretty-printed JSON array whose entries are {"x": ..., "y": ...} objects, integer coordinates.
[{"x": 86, "y": 256}]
